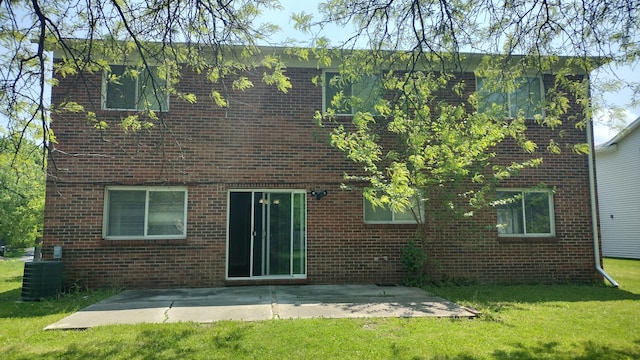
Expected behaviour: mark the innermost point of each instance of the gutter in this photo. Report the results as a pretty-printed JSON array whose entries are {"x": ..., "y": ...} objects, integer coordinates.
[{"x": 594, "y": 208}]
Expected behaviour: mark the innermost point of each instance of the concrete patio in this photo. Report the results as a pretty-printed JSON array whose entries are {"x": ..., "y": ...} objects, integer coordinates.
[{"x": 255, "y": 303}]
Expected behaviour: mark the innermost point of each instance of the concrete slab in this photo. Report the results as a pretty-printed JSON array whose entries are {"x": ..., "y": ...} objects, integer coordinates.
[
  {"x": 250, "y": 303},
  {"x": 209, "y": 314},
  {"x": 351, "y": 301},
  {"x": 109, "y": 314},
  {"x": 255, "y": 303}
]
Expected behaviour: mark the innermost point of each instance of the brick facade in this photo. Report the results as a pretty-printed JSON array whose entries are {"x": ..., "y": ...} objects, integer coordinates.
[{"x": 266, "y": 139}]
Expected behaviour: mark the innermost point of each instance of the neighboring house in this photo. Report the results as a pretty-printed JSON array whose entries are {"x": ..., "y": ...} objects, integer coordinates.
[
  {"x": 618, "y": 177},
  {"x": 248, "y": 194}
]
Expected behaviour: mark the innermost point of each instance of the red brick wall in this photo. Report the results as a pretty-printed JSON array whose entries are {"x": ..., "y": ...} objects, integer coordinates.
[{"x": 266, "y": 140}]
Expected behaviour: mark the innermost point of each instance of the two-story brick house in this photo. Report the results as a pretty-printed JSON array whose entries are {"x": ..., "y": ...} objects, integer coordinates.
[{"x": 251, "y": 193}]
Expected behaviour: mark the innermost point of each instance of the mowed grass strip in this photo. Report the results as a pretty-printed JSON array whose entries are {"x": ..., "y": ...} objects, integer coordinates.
[{"x": 518, "y": 322}]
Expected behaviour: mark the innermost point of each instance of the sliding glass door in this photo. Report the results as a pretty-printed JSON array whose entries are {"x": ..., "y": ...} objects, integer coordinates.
[{"x": 267, "y": 234}]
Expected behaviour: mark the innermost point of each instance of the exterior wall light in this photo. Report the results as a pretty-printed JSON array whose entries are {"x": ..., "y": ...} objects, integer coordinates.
[{"x": 319, "y": 194}]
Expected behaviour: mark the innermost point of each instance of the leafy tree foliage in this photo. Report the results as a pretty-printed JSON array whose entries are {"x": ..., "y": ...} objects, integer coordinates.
[
  {"x": 426, "y": 44},
  {"x": 22, "y": 191},
  {"x": 213, "y": 37},
  {"x": 417, "y": 48},
  {"x": 588, "y": 28},
  {"x": 219, "y": 39}
]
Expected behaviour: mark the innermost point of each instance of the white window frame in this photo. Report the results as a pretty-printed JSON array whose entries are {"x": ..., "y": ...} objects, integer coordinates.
[
  {"x": 326, "y": 101},
  {"x": 147, "y": 189},
  {"x": 105, "y": 84},
  {"x": 508, "y": 95},
  {"x": 522, "y": 191},
  {"x": 393, "y": 215}
]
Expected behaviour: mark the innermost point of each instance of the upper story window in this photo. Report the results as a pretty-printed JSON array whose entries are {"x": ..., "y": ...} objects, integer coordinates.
[
  {"x": 526, "y": 213},
  {"x": 127, "y": 88},
  {"x": 145, "y": 213},
  {"x": 527, "y": 97},
  {"x": 359, "y": 96},
  {"x": 379, "y": 215}
]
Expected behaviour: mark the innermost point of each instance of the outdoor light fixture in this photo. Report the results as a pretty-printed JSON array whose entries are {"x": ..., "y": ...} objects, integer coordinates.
[{"x": 319, "y": 194}]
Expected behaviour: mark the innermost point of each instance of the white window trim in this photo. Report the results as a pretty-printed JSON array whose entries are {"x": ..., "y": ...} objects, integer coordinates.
[
  {"x": 105, "y": 214},
  {"x": 542, "y": 93},
  {"x": 393, "y": 214},
  {"x": 552, "y": 223},
  {"x": 105, "y": 78}
]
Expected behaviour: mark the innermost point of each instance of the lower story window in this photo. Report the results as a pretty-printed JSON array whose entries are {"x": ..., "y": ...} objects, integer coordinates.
[
  {"x": 145, "y": 213},
  {"x": 384, "y": 215},
  {"x": 525, "y": 212}
]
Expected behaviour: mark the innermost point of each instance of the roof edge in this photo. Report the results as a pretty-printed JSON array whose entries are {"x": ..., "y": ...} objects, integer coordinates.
[
  {"x": 471, "y": 59},
  {"x": 611, "y": 144}
]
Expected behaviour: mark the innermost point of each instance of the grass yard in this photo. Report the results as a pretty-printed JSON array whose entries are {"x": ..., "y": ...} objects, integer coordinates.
[{"x": 518, "y": 322}]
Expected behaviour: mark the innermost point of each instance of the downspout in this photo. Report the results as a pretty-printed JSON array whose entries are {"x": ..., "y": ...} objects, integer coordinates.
[{"x": 594, "y": 208}]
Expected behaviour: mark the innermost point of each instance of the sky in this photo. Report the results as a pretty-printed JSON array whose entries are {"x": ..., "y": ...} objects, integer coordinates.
[{"x": 602, "y": 132}]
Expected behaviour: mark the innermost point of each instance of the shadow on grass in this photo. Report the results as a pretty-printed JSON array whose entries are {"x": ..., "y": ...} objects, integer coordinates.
[
  {"x": 533, "y": 293},
  {"x": 493, "y": 300},
  {"x": 15, "y": 279},
  {"x": 231, "y": 341},
  {"x": 11, "y": 305},
  {"x": 13, "y": 254},
  {"x": 586, "y": 351},
  {"x": 179, "y": 341},
  {"x": 550, "y": 350}
]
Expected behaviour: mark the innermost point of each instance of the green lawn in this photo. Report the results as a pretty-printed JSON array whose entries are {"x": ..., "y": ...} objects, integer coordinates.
[{"x": 518, "y": 322}]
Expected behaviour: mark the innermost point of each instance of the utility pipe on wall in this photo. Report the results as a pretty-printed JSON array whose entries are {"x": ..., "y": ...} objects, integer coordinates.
[{"x": 594, "y": 208}]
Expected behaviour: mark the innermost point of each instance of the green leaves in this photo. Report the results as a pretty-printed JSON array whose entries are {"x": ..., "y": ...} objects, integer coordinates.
[
  {"x": 582, "y": 148},
  {"x": 134, "y": 123},
  {"x": 431, "y": 130},
  {"x": 190, "y": 98},
  {"x": 22, "y": 190},
  {"x": 277, "y": 77},
  {"x": 218, "y": 98},
  {"x": 302, "y": 21},
  {"x": 218, "y": 39},
  {"x": 97, "y": 124},
  {"x": 242, "y": 83}
]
